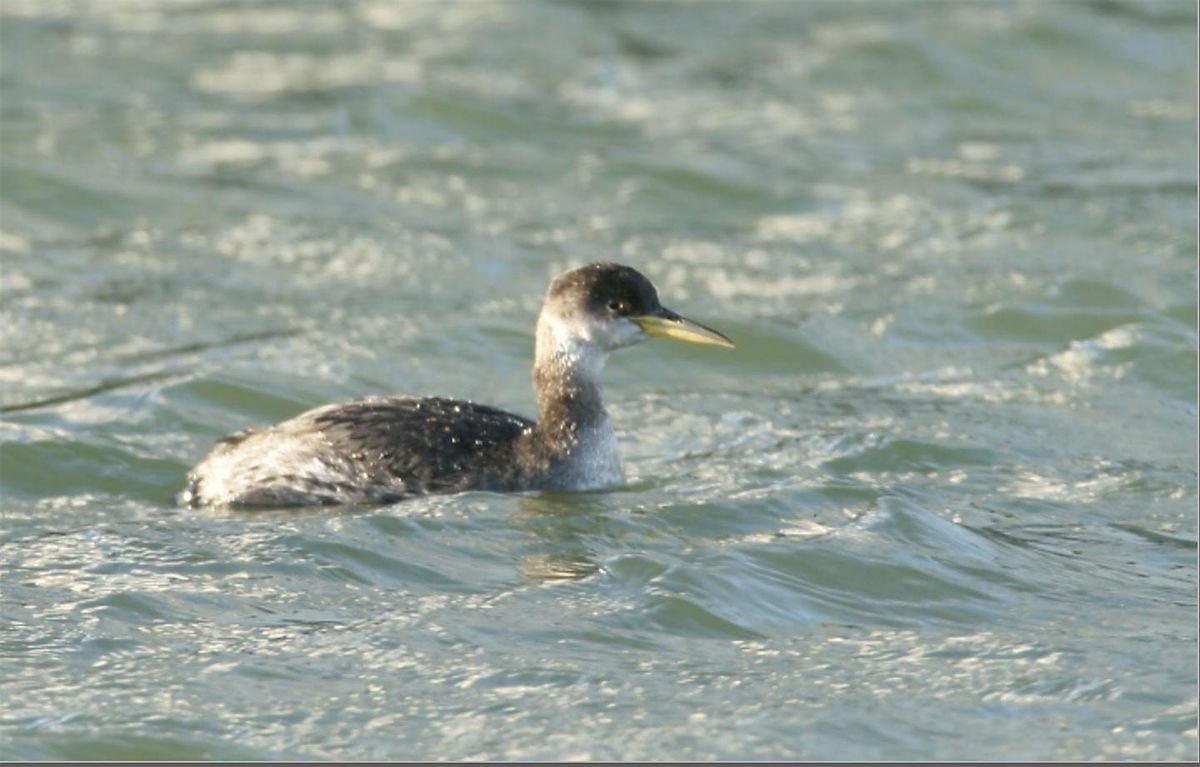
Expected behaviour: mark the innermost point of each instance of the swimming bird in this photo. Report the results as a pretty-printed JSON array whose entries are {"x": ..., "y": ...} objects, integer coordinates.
[{"x": 382, "y": 449}]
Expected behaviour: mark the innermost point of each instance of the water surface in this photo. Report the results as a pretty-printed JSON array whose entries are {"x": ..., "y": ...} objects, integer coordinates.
[{"x": 940, "y": 503}]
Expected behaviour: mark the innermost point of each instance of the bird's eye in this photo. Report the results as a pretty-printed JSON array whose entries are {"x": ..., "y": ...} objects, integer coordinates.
[{"x": 617, "y": 306}]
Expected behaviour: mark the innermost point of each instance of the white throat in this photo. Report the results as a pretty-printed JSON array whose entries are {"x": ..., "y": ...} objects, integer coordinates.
[{"x": 574, "y": 346}]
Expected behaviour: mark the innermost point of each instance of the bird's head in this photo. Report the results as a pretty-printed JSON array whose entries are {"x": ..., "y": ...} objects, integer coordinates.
[{"x": 605, "y": 306}]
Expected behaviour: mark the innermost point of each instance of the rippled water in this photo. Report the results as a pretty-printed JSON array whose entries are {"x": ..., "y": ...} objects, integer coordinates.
[{"x": 939, "y": 503}]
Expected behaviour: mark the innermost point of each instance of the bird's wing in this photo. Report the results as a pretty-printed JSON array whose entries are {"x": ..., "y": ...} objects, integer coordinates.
[{"x": 430, "y": 444}]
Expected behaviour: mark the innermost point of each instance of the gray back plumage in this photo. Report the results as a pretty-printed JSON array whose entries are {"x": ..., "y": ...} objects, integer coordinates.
[
  {"x": 431, "y": 444},
  {"x": 373, "y": 450}
]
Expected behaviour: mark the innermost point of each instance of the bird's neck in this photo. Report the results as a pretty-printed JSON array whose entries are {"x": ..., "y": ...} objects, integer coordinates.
[
  {"x": 573, "y": 446},
  {"x": 566, "y": 378}
]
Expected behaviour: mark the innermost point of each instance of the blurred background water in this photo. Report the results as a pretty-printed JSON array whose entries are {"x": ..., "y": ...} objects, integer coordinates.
[{"x": 940, "y": 503}]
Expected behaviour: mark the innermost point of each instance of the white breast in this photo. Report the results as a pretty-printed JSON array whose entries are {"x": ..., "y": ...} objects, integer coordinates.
[{"x": 594, "y": 462}]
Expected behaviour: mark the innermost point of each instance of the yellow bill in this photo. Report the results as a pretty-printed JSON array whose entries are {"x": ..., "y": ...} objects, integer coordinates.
[{"x": 668, "y": 324}]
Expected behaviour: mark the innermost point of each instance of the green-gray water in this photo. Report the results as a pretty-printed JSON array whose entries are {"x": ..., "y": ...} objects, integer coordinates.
[{"x": 939, "y": 503}]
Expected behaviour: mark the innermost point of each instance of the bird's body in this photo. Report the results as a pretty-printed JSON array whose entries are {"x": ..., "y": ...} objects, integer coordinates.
[{"x": 385, "y": 449}]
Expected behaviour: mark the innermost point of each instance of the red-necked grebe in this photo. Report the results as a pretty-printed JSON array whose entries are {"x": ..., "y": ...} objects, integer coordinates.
[{"x": 385, "y": 449}]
